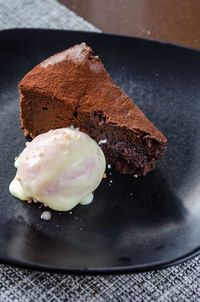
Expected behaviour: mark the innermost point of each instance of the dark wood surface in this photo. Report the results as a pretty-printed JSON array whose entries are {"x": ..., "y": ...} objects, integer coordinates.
[{"x": 176, "y": 21}]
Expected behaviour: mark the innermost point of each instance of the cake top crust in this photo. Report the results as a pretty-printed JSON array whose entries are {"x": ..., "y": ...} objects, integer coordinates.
[{"x": 77, "y": 77}]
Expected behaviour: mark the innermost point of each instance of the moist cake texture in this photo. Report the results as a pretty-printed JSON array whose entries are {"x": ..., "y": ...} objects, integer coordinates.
[{"x": 73, "y": 88}]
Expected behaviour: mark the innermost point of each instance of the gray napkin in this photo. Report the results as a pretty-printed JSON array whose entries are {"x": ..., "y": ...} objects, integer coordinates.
[
  {"x": 40, "y": 14},
  {"x": 178, "y": 283}
]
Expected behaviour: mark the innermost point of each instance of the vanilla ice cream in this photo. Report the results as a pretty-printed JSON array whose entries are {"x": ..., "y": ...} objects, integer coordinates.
[{"x": 59, "y": 168}]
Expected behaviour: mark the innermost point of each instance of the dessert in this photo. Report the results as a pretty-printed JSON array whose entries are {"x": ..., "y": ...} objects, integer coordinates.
[
  {"x": 59, "y": 168},
  {"x": 73, "y": 87}
]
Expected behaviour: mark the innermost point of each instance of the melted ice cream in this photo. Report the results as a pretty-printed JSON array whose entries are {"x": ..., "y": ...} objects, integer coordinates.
[{"x": 60, "y": 168}]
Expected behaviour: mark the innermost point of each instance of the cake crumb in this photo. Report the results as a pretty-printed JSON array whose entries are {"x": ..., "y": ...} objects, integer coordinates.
[
  {"x": 16, "y": 158},
  {"x": 111, "y": 181},
  {"x": 131, "y": 194},
  {"x": 27, "y": 158},
  {"x": 104, "y": 175},
  {"x": 135, "y": 175},
  {"x": 109, "y": 166},
  {"x": 18, "y": 178},
  {"x": 27, "y": 143},
  {"x": 70, "y": 213}
]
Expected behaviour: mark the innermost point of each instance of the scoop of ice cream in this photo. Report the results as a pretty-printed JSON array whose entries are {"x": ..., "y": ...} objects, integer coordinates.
[{"x": 60, "y": 168}]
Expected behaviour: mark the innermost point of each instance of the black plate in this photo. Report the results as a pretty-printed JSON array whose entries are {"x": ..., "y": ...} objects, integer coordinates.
[{"x": 135, "y": 223}]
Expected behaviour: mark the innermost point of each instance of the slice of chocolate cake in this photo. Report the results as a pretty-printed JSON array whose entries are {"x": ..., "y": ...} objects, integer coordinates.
[{"x": 73, "y": 88}]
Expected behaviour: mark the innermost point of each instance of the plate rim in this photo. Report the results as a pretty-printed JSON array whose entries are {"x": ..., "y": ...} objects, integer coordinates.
[
  {"x": 104, "y": 34},
  {"x": 131, "y": 269}
]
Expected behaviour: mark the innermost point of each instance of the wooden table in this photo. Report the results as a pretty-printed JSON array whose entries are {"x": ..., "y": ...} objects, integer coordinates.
[{"x": 176, "y": 21}]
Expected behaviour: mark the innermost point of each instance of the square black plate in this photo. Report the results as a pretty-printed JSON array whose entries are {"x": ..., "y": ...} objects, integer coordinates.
[{"x": 134, "y": 224}]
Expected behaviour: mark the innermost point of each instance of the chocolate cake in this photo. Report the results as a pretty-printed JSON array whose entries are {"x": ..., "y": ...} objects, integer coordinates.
[{"x": 73, "y": 88}]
